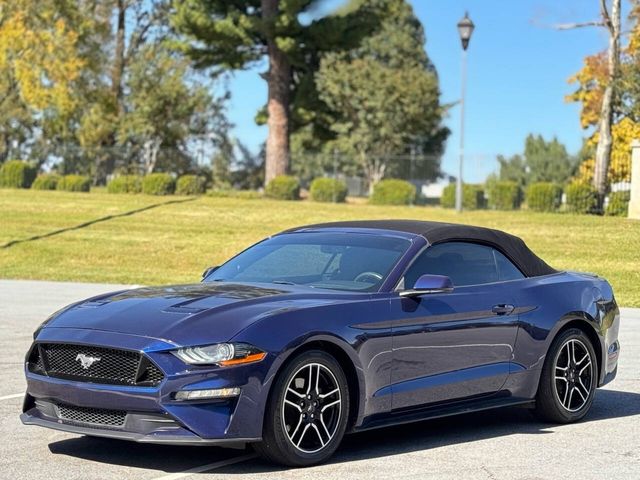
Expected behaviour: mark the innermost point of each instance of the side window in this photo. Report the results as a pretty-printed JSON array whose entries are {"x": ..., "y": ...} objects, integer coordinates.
[
  {"x": 506, "y": 270},
  {"x": 464, "y": 263}
]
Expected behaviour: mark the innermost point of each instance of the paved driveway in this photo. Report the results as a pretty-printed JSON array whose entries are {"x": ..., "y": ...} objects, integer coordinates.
[{"x": 500, "y": 444}]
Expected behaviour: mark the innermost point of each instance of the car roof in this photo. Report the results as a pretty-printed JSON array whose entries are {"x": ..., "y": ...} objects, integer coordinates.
[{"x": 438, "y": 232}]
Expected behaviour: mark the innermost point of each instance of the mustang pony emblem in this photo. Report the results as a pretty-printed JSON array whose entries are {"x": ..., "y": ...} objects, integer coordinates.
[{"x": 86, "y": 361}]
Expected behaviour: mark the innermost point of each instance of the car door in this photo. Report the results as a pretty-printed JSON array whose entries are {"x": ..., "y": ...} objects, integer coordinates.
[{"x": 457, "y": 345}]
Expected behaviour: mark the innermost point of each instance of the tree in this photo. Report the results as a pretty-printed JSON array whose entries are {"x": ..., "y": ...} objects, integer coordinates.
[
  {"x": 610, "y": 20},
  {"x": 143, "y": 102},
  {"x": 513, "y": 169},
  {"x": 133, "y": 26},
  {"x": 542, "y": 161},
  {"x": 163, "y": 109},
  {"x": 547, "y": 161},
  {"x": 248, "y": 169},
  {"x": 223, "y": 35},
  {"x": 384, "y": 96},
  {"x": 592, "y": 81},
  {"x": 39, "y": 64}
]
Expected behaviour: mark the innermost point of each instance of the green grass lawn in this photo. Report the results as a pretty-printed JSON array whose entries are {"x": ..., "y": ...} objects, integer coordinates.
[{"x": 173, "y": 243}]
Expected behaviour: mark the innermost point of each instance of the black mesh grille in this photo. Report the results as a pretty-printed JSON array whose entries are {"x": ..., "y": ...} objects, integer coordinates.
[
  {"x": 94, "y": 364},
  {"x": 151, "y": 375},
  {"x": 92, "y": 416}
]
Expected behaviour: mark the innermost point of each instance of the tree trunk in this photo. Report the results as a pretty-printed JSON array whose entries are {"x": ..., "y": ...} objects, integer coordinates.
[
  {"x": 118, "y": 61},
  {"x": 151, "y": 149},
  {"x": 603, "y": 150},
  {"x": 279, "y": 85},
  {"x": 374, "y": 168}
]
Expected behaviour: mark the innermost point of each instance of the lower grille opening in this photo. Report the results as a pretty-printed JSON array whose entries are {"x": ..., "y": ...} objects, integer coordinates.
[{"x": 92, "y": 416}]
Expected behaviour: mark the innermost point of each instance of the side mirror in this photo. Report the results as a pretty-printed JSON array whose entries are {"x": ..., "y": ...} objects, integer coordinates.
[
  {"x": 429, "y": 284},
  {"x": 209, "y": 271}
]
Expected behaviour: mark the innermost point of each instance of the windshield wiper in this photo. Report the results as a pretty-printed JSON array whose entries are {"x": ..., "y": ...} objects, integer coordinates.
[{"x": 283, "y": 282}]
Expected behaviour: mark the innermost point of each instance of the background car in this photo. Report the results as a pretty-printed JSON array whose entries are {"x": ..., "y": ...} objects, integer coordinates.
[{"x": 328, "y": 329}]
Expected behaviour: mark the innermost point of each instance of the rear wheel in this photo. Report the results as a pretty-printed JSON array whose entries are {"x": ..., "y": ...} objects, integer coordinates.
[
  {"x": 307, "y": 412},
  {"x": 569, "y": 379}
]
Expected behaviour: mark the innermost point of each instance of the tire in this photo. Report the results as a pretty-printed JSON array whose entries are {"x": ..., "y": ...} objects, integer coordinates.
[
  {"x": 569, "y": 379},
  {"x": 322, "y": 417}
]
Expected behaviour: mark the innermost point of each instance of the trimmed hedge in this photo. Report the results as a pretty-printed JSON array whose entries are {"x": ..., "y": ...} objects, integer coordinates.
[
  {"x": 46, "y": 181},
  {"x": 283, "y": 187},
  {"x": 618, "y": 205},
  {"x": 74, "y": 183},
  {"x": 17, "y": 174},
  {"x": 544, "y": 197},
  {"x": 125, "y": 184},
  {"x": 393, "y": 192},
  {"x": 158, "y": 184},
  {"x": 581, "y": 198},
  {"x": 190, "y": 185},
  {"x": 472, "y": 196},
  {"x": 504, "y": 195},
  {"x": 328, "y": 190}
]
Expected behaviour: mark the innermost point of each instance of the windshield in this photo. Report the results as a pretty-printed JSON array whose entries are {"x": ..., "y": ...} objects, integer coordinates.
[{"x": 342, "y": 261}]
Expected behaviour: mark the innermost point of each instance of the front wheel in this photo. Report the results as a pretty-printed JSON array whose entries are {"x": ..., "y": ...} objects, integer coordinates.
[
  {"x": 307, "y": 412},
  {"x": 569, "y": 379}
]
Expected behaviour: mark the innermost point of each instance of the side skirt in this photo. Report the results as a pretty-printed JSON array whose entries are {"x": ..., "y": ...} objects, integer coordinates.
[{"x": 428, "y": 413}]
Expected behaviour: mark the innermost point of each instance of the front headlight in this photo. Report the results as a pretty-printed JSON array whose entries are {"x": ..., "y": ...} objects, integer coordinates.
[{"x": 223, "y": 354}]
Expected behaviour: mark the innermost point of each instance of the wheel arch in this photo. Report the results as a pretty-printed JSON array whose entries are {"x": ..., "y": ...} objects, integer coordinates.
[
  {"x": 348, "y": 360},
  {"x": 584, "y": 322}
]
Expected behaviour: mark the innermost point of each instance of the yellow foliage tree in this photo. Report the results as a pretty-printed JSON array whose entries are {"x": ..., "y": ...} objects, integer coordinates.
[
  {"x": 591, "y": 81},
  {"x": 39, "y": 60},
  {"x": 623, "y": 133}
]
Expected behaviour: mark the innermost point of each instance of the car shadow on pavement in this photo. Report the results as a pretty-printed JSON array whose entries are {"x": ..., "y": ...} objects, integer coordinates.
[{"x": 423, "y": 435}]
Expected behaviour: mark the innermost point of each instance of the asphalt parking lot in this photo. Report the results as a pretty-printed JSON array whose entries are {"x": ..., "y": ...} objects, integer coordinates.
[{"x": 501, "y": 444}]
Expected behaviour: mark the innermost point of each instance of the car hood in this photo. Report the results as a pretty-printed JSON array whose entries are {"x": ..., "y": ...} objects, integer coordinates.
[{"x": 188, "y": 314}]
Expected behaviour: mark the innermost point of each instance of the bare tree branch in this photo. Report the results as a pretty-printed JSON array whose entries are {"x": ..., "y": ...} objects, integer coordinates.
[
  {"x": 570, "y": 26},
  {"x": 604, "y": 12}
]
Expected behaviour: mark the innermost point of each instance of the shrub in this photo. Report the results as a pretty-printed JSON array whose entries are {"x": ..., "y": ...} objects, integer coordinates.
[
  {"x": 74, "y": 183},
  {"x": 283, "y": 187},
  {"x": 46, "y": 181},
  {"x": 125, "y": 184},
  {"x": 581, "y": 198},
  {"x": 190, "y": 185},
  {"x": 328, "y": 190},
  {"x": 472, "y": 196},
  {"x": 544, "y": 197},
  {"x": 618, "y": 205},
  {"x": 158, "y": 184},
  {"x": 17, "y": 174},
  {"x": 393, "y": 192},
  {"x": 504, "y": 195}
]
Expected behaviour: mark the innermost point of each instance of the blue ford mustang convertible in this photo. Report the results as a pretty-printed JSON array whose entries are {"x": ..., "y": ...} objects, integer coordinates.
[{"x": 324, "y": 330}]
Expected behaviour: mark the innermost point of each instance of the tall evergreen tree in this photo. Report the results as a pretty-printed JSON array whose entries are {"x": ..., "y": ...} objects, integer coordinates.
[{"x": 238, "y": 34}]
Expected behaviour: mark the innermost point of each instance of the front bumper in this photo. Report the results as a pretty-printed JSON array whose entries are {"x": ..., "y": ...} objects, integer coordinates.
[
  {"x": 143, "y": 428},
  {"x": 151, "y": 414}
]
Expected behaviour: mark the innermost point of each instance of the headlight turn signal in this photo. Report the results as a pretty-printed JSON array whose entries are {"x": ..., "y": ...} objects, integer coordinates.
[{"x": 223, "y": 354}]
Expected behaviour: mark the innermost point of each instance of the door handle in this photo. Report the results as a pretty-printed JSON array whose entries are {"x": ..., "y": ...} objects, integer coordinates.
[{"x": 503, "y": 309}]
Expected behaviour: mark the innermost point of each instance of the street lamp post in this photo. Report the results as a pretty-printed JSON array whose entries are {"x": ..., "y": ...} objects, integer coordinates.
[{"x": 465, "y": 29}]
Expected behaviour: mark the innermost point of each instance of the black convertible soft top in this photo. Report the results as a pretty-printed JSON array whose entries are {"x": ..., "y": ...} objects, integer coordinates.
[{"x": 437, "y": 232}]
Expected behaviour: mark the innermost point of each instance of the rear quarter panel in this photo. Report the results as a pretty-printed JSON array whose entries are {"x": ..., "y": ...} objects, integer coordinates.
[{"x": 549, "y": 303}]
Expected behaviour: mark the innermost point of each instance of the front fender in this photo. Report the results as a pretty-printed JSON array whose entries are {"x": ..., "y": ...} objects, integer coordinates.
[
  {"x": 336, "y": 342},
  {"x": 286, "y": 333}
]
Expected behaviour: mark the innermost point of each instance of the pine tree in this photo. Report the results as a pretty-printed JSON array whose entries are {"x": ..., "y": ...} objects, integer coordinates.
[{"x": 235, "y": 34}]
